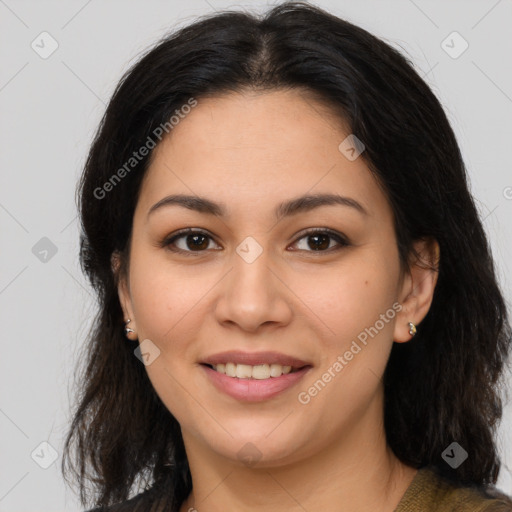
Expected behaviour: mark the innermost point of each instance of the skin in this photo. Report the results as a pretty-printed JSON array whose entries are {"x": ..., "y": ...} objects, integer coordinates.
[{"x": 251, "y": 151}]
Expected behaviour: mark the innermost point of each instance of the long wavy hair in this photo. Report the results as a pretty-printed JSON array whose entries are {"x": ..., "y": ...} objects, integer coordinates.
[{"x": 441, "y": 387}]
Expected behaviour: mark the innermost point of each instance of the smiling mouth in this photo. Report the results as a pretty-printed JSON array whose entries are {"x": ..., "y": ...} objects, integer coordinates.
[{"x": 258, "y": 372}]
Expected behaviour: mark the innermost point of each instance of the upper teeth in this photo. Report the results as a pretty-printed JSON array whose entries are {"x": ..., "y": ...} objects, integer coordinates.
[{"x": 245, "y": 371}]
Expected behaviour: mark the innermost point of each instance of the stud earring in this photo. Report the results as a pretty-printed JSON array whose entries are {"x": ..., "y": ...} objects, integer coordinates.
[
  {"x": 127, "y": 330},
  {"x": 412, "y": 329}
]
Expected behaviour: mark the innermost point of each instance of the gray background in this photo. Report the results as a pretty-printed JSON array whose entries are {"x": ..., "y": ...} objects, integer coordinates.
[{"x": 49, "y": 111}]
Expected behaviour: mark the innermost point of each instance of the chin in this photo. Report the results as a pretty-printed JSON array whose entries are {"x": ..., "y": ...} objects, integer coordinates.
[{"x": 253, "y": 447}]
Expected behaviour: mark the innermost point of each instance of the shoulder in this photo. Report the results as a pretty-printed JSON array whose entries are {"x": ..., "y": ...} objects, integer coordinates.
[
  {"x": 431, "y": 492},
  {"x": 147, "y": 501}
]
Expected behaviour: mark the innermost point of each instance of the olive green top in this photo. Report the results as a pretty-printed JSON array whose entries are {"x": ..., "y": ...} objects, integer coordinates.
[{"x": 429, "y": 492}]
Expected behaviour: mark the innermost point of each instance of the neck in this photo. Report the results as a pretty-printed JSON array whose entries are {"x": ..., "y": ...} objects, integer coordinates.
[{"x": 356, "y": 473}]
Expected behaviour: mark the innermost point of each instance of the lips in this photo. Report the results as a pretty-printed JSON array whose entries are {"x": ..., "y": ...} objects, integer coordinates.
[
  {"x": 255, "y": 359},
  {"x": 229, "y": 373}
]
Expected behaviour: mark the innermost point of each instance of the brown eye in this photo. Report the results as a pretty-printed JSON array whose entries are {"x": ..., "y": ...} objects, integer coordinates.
[
  {"x": 196, "y": 241},
  {"x": 191, "y": 241},
  {"x": 319, "y": 240},
  {"x": 188, "y": 241}
]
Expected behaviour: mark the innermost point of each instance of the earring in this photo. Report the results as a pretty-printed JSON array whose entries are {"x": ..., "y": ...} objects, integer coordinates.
[
  {"x": 412, "y": 329},
  {"x": 127, "y": 330}
]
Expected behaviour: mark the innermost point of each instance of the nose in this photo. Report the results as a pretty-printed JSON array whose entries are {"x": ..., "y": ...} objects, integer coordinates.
[{"x": 254, "y": 294}]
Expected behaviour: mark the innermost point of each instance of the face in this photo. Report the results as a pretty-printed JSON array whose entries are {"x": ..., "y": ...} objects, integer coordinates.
[{"x": 276, "y": 282}]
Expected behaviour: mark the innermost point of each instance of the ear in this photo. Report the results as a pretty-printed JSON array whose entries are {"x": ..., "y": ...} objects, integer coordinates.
[
  {"x": 417, "y": 288},
  {"x": 123, "y": 288}
]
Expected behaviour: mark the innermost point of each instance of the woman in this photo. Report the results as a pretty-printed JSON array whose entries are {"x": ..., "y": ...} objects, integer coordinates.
[{"x": 298, "y": 307}]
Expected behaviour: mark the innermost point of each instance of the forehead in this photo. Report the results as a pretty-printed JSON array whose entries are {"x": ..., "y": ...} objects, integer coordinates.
[{"x": 251, "y": 147}]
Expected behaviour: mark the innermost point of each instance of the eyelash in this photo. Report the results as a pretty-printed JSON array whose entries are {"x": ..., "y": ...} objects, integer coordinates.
[{"x": 169, "y": 241}]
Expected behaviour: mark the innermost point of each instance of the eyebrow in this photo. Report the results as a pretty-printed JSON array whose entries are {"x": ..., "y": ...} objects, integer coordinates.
[{"x": 298, "y": 205}]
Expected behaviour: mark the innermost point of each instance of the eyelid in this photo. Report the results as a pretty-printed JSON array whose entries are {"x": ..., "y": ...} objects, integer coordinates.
[{"x": 340, "y": 238}]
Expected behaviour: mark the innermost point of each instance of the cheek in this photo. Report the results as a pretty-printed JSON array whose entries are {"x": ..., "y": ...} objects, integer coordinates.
[
  {"x": 164, "y": 295},
  {"x": 166, "y": 302},
  {"x": 359, "y": 307},
  {"x": 347, "y": 299}
]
